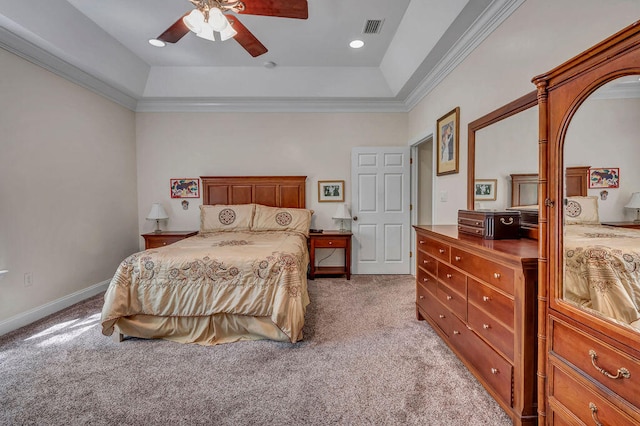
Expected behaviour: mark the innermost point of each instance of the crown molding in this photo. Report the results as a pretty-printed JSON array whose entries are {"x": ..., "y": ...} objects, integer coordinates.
[
  {"x": 27, "y": 50},
  {"x": 270, "y": 105},
  {"x": 496, "y": 13},
  {"x": 491, "y": 18}
]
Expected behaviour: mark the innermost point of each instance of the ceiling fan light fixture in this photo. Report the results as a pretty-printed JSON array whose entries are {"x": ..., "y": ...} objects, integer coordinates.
[
  {"x": 227, "y": 33},
  {"x": 206, "y": 33},
  {"x": 194, "y": 21},
  {"x": 217, "y": 20}
]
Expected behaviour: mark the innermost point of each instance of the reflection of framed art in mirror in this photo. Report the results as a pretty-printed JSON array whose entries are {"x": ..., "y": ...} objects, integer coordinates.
[{"x": 485, "y": 189}]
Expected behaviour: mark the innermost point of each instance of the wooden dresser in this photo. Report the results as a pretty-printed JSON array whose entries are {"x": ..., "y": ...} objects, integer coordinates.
[{"x": 480, "y": 297}]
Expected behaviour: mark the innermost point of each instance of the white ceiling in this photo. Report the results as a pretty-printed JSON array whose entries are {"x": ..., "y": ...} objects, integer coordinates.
[{"x": 103, "y": 45}]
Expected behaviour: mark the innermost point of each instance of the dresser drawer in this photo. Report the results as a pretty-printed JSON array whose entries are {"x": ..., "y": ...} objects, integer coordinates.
[
  {"x": 584, "y": 403},
  {"x": 491, "y": 272},
  {"x": 422, "y": 297},
  {"x": 328, "y": 242},
  {"x": 491, "y": 301},
  {"x": 428, "y": 263},
  {"x": 493, "y": 368},
  {"x": 453, "y": 300},
  {"x": 433, "y": 247},
  {"x": 453, "y": 278},
  {"x": 439, "y": 314},
  {"x": 584, "y": 351},
  {"x": 494, "y": 332},
  {"x": 428, "y": 281}
]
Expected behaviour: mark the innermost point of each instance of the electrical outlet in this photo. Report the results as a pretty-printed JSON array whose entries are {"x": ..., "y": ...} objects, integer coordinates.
[{"x": 28, "y": 279}]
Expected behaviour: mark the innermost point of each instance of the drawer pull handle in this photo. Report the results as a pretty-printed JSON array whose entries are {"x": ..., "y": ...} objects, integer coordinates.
[
  {"x": 458, "y": 258},
  {"x": 494, "y": 371},
  {"x": 506, "y": 222},
  {"x": 425, "y": 279},
  {"x": 441, "y": 316},
  {"x": 486, "y": 326},
  {"x": 441, "y": 250},
  {"x": 496, "y": 275},
  {"x": 421, "y": 297},
  {"x": 594, "y": 413},
  {"x": 425, "y": 261},
  {"x": 421, "y": 242},
  {"x": 486, "y": 298},
  {"x": 449, "y": 275},
  {"x": 330, "y": 242},
  {"x": 449, "y": 297},
  {"x": 478, "y": 223},
  {"x": 623, "y": 373},
  {"x": 456, "y": 332}
]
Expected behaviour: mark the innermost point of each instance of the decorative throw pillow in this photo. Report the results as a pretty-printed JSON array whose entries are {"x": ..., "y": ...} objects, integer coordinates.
[
  {"x": 281, "y": 219},
  {"x": 221, "y": 217},
  {"x": 581, "y": 210}
]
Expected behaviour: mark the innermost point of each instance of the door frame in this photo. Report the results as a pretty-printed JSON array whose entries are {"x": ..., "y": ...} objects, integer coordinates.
[{"x": 413, "y": 179}]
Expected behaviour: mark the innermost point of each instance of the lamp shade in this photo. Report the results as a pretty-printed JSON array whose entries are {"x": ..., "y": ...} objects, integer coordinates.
[
  {"x": 194, "y": 21},
  {"x": 157, "y": 212},
  {"x": 634, "y": 202},
  {"x": 342, "y": 212}
]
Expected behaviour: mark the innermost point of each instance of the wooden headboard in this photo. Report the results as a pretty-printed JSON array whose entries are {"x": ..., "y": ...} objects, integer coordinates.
[{"x": 275, "y": 191}]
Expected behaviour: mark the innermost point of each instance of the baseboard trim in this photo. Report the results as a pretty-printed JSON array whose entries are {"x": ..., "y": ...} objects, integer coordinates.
[{"x": 40, "y": 312}]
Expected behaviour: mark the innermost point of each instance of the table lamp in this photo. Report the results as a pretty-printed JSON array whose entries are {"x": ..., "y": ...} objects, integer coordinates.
[
  {"x": 157, "y": 213},
  {"x": 342, "y": 213},
  {"x": 634, "y": 203}
]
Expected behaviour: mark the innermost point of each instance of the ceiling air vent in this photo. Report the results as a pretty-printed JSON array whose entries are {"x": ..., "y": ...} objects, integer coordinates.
[{"x": 373, "y": 26}]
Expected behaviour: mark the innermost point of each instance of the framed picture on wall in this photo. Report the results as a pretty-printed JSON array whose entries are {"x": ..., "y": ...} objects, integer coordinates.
[
  {"x": 185, "y": 188},
  {"x": 448, "y": 135},
  {"x": 330, "y": 190},
  {"x": 604, "y": 177},
  {"x": 485, "y": 189}
]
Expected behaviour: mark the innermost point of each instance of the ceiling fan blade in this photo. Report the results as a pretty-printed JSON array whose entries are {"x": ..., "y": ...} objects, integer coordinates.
[
  {"x": 175, "y": 32},
  {"x": 246, "y": 38},
  {"x": 281, "y": 8}
]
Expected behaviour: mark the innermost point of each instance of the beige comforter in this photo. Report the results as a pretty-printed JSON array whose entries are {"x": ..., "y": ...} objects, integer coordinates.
[
  {"x": 602, "y": 270},
  {"x": 257, "y": 274}
]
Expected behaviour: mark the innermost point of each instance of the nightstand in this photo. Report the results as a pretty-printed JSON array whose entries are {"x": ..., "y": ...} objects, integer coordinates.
[
  {"x": 164, "y": 238},
  {"x": 330, "y": 240},
  {"x": 632, "y": 225}
]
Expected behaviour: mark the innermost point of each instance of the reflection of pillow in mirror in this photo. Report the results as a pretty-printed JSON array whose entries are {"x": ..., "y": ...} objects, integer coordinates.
[
  {"x": 222, "y": 217},
  {"x": 581, "y": 210}
]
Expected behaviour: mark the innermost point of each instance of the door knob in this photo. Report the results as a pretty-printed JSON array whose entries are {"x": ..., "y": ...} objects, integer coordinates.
[{"x": 354, "y": 218}]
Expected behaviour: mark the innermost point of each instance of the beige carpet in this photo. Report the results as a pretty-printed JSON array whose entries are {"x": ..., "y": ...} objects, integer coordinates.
[{"x": 365, "y": 360}]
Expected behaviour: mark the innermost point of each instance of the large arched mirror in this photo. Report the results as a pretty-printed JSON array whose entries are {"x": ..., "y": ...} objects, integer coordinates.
[{"x": 601, "y": 240}]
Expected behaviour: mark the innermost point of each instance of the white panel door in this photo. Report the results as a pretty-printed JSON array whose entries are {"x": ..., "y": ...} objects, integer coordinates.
[{"x": 380, "y": 197}]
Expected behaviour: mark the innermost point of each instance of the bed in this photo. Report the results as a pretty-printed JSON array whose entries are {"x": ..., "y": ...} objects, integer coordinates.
[
  {"x": 602, "y": 263},
  {"x": 242, "y": 277}
]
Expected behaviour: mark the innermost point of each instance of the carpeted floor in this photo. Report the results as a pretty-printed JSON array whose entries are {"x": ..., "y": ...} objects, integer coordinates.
[{"x": 365, "y": 360}]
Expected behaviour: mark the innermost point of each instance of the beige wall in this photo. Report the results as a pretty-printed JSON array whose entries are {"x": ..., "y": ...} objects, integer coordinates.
[
  {"x": 68, "y": 188},
  {"x": 538, "y": 36},
  {"x": 174, "y": 145}
]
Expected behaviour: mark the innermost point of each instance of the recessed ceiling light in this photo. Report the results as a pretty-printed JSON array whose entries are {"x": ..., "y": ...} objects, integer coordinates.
[
  {"x": 356, "y": 44},
  {"x": 157, "y": 43}
]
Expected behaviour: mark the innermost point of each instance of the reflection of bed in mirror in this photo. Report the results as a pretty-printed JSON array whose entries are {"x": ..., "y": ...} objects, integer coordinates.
[
  {"x": 602, "y": 270},
  {"x": 524, "y": 195}
]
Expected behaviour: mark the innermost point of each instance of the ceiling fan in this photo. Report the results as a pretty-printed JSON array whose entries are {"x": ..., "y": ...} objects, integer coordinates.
[{"x": 210, "y": 16}]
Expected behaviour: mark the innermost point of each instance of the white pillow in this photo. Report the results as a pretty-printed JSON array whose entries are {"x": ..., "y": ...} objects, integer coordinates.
[
  {"x": 581, "y": 210},
  {"x": 222, "y": 217},
  {"x": 281, "y": 219}
]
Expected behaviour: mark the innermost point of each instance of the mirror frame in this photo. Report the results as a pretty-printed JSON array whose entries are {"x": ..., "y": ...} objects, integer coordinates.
[{"x": 512, "y": 108}]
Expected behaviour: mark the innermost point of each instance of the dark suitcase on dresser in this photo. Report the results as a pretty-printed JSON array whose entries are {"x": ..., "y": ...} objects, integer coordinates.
[{"x": 490, "y": 224}]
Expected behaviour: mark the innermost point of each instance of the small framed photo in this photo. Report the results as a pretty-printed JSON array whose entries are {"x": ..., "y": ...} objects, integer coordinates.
[
  {"x": 448, "y": 131},
  {"x": 185, "y": 188},
  {"x": 330, "y": 190},
  {"x": 485, "y": 189},
  {"x": 604, "y": 177}
]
